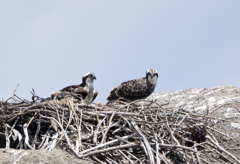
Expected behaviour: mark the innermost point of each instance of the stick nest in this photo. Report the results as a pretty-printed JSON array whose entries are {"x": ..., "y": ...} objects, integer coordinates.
[{"x": 138, "y": 132}]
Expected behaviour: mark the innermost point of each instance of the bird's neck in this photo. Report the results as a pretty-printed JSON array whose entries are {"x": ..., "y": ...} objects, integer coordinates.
[
  {"x": 90, "y": 89},
  {"x": 89, "y": 85}
]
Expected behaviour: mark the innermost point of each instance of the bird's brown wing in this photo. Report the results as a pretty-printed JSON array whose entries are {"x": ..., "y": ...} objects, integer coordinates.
[
  {"x": 112, "y": 95},
  {"x": 70, "y": 88},
  {"x": 95, "y": 94},
  {"x": 134, "y": 89},
  {"x": 131, "y": 90},
  {"x": 76, "y": 89}
]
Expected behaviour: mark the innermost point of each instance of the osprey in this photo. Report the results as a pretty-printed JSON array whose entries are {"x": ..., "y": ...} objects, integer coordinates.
[
  {"x": 135, "y": 89},
  {"x": 84, "y": 91}
]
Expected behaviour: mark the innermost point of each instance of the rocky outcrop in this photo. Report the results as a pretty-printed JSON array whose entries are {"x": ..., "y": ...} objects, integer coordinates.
[
  {"x": 221, "y": 107},
  {"x": 222, "y": 102}
]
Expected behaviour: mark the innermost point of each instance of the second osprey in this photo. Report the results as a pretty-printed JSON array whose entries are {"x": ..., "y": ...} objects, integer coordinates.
[
  {"x": 84, "y": 91},
  {"x": 135, "y": 89}
]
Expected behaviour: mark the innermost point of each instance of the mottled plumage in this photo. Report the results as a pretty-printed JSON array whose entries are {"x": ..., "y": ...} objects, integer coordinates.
[
  {"x": 135, "y": 89},
  {"x": 83, "y": 91}
]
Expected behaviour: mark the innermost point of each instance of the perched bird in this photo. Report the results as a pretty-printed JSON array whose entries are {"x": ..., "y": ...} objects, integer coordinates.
[
  {"x": 84, "y": 91},
  {"x": 135, "y": 89}
]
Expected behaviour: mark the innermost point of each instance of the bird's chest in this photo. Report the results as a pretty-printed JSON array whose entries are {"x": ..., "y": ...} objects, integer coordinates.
[
  {"x": 90, "y": 94},
  {"x": 150, "y": 88}
]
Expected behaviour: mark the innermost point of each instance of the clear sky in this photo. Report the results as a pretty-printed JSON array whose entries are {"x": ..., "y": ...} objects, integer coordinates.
[{"x": 50, "y": 44}]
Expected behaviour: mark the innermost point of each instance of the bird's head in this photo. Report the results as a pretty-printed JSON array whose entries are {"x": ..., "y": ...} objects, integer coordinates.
[
  {"x": 152, "y": 76},
  {"x": 89, "y": 77}
]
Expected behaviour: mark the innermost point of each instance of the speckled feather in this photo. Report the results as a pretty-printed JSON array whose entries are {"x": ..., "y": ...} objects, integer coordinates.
[
  {"x": 132, "y": 90},
  {"x": 77, "y": 89},
  {"x": 82, "y": 91}
]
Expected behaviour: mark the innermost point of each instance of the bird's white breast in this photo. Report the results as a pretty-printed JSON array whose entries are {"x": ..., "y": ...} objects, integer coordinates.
[{"x": 89, "y": 87}]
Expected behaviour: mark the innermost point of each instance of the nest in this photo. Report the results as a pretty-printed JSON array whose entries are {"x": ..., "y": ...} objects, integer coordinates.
[{"x": 142, "y": 131}]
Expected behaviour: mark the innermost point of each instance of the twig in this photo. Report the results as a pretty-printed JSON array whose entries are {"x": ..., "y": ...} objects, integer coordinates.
[
  {"x": 38, "y": 129},
  {"x": 111, "y": 149},
  {"x": 126, "y": 156},
  {"x": 157, "y": 150},
  {"x": 7, "y": 137},
  {"x": 105, "y": 144},
  {"x": 176, "y": 146},
  {"x": 220, "y": 148},
  {"x": 110, "y": 123},
  {"x": 63, "y": 132},
  {"x": 14, "y": 94},
  {"x": 146, "y": 143},
  {"x": 26, "y": 136},
  {"x": 54, "y": 141},
  {"x": 182, "y": 119},
  {"x": 96, "y": 131}
]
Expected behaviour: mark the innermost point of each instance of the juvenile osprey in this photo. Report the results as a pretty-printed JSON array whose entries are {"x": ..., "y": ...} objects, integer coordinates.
[
  {"x": 135, "y": 89},
  {"x": 83, "y": 91}
]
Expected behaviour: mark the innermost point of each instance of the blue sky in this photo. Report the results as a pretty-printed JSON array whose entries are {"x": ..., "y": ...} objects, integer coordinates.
[{"x": 49, "y": 44}]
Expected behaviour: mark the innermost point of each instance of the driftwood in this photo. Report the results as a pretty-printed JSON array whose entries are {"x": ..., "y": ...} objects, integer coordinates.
[{"x": 137, "y": 132}]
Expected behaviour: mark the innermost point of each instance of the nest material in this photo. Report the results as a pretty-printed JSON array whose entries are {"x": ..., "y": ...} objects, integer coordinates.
[{"x": 137, "y": 132}]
